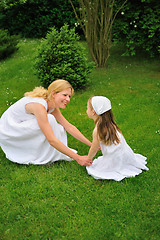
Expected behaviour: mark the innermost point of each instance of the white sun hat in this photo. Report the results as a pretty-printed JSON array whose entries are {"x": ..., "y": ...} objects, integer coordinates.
[{"x": 100, "y": 104}]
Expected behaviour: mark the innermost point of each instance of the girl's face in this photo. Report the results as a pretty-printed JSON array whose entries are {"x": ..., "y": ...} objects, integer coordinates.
[
  {"x": 61, "y": 99},
  {"x": 89, "y": 111}
]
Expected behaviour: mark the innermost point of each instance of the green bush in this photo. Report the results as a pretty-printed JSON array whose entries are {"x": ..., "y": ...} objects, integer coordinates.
[
  {"x": 34, "y": 18},
  {"x": 61, "y": 56},
  {"x": 8, "y": 44},
  {"x": 137, "y": 25}
]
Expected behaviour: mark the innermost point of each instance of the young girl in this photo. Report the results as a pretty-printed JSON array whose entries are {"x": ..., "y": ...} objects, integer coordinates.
[{"x": 118, "y": 160}]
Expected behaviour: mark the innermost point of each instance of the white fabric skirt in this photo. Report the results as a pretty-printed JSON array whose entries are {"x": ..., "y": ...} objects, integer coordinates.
[
  {"x": 118, "y": 162},
  {"x": 24, "y": 142}
]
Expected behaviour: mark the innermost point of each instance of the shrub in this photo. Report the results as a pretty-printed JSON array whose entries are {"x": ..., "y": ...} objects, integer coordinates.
[
  {"x": 61, "y": 56},
  {"x": 137, "y": 25},
  {"x": 8, "y": 44},
  {"x": 34, "y": 18}
]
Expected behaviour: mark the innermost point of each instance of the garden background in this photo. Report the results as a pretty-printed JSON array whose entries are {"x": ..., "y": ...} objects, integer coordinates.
[{"x": 60, "y": 201}]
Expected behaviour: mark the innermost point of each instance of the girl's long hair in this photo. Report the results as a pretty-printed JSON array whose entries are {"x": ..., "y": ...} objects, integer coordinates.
[
  {"x": 107, "y": 127},
  {"x": 57, "y": 86}
]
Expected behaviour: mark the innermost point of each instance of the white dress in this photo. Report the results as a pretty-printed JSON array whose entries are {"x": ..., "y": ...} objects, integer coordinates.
[
  {"x": 117, "y": 162},
  {"x": 22, "y": 140}
]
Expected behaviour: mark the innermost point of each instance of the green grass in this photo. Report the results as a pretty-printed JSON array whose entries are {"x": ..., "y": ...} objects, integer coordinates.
[{"x": 61, "y": 201}]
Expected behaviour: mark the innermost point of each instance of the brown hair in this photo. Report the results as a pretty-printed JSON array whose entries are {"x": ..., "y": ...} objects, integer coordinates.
[
  {"x": 57, "y": 86},
  {"x": 106, "y": 127}
]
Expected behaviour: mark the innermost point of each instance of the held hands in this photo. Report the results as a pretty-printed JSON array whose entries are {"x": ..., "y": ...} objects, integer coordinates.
[{"x": 84, "y": 161}]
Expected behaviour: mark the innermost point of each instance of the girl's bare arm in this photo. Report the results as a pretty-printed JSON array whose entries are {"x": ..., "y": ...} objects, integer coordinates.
[{"x": 95, "y": 145}]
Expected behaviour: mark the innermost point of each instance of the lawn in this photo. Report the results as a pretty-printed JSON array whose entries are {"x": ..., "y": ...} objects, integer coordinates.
[{"x": 61, "y": 201}]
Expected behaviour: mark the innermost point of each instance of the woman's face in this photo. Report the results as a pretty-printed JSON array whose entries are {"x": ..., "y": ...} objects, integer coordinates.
[{"x": 61, "y": 99}]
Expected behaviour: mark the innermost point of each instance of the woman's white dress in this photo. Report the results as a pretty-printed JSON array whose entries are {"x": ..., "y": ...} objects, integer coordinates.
[
  {"x": 117, "y": 162},
  {"x": 22, "y": 140}
]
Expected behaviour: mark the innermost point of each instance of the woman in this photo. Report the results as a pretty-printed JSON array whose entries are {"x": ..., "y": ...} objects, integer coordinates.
[{"x": 33, "y": 130}]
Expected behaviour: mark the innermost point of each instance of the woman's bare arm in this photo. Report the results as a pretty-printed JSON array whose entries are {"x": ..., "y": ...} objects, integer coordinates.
[
  {"x": 71, "y": 129},
  {"x": 41, "y": 115}
]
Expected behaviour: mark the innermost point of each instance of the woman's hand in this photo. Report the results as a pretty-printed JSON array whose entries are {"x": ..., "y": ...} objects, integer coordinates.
[{"x": 84, "y": 161}]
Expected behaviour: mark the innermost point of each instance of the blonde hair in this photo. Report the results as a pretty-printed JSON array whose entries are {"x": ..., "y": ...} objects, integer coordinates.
[
  {"x": 57, "y": 86},
  {"x": 106, "y": 127}
]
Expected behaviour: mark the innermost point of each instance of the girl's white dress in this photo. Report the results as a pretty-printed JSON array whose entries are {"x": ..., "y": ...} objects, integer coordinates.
[
  {"x": 117, "y": 162},
  {"x": 22, "y": 140}
]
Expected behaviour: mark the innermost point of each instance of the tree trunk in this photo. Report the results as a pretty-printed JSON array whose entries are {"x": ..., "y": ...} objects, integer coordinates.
[{"x": 96, "y": 20}]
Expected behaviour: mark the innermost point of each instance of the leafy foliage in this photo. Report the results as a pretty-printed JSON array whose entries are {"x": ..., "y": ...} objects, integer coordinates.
[
  {"x": 33, "y": 18},
  {"x": 138, "y": 26},
  {"x": 61, "y": 56},
  {"x": 10, "y": 3},
  {"x": 8, "y": 44}
]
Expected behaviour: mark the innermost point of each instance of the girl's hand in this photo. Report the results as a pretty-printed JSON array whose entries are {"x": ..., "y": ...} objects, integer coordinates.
[{"x": 84, "y": 161}]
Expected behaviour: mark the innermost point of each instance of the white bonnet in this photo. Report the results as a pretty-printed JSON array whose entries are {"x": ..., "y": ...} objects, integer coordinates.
[{"x": 100, "y": 104}]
